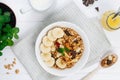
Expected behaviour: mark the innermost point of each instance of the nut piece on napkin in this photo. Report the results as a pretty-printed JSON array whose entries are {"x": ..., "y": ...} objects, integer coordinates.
[
  {"x": 17, "y": 71},
  {"x": 10, "y": 67}
]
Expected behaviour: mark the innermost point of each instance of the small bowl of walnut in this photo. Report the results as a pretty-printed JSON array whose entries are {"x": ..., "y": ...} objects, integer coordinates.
[{"x": 62, "y": 48}]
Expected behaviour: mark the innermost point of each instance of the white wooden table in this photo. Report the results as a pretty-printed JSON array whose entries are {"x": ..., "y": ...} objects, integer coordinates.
[{"x": 29, "y": 20}]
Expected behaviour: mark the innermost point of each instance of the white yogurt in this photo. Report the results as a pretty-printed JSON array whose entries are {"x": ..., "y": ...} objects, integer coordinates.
[{"x": 41, "y": 5}]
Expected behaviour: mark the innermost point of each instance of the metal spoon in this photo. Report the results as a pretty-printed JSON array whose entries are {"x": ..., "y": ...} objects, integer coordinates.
[
  {"x": 106, "y": 62},
  {"x": 117, "y": 13}
]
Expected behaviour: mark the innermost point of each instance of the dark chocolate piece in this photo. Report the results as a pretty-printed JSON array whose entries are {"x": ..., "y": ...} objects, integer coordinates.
[
  {"x": 109, "y": 62},
  {"x": 97, "y": 9},
  {"x": 67, "y": 33},
  {"x": 73, "y": 53},
  {"x": 88, "y": 2}
]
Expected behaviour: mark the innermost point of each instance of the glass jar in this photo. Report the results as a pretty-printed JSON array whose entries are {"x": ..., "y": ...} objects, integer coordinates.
[{"x": 110, "y": 23}]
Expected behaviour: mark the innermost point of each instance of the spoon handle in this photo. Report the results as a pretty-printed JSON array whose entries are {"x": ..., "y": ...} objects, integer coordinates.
[
  {"x": 91, "y": 74},
  {"x": 116, "y": 14}
]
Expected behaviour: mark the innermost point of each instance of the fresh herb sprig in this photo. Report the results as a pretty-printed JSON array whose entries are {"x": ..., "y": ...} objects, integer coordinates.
[
  {"x": 63, "y": 50},
  {"x": 7, "y": 32}
]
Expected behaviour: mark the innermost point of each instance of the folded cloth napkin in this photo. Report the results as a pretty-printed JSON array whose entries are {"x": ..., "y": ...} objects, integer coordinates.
[{"x": 25, "y": 49}]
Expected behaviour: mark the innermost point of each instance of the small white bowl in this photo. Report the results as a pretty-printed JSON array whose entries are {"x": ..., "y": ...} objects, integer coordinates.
[{"x": 78, "y": 66}]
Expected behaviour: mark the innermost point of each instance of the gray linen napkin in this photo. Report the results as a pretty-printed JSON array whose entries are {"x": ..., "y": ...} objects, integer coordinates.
[{"x": 99, "y": 45}]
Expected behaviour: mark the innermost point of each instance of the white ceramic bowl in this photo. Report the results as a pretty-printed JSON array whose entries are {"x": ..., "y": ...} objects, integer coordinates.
[{"x": 77, "y": 67}]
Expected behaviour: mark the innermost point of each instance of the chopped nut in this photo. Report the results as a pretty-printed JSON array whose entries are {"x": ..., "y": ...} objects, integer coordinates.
[
  {"x": 74, "y": 60},
  {"x": 60, "y": 41},
  {"x": 61, "y": 46},
  {"x": 14, "y": 62},
  {"x": 9, "y": 67},
  {"x": 58, "y": 55},
  {"x": 78, "y": 49},
  {"x": 76, "y": 41},
  {"x": 12, "y": 65},
  {"x": 65, "y": 59},
  {"x": 7, "y": 73},
  {"x": 14, "y": 59},
  {"x": 17, "y": 71},
  {"x": 81, "y": 50},
  {"x": 110, "y": 57},
  {"x": 67, "y": 45},
  {"x": 75, "y": 47},
  {"x": 105, "y": 61},
  {"x": 5, "y": 66},
  {"x": 69, "y": 65},
  {"x": 114, "y": 59}
]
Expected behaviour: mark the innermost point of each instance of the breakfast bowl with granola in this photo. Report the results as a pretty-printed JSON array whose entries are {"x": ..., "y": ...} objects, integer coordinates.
[{"x": 62, "y": 48}]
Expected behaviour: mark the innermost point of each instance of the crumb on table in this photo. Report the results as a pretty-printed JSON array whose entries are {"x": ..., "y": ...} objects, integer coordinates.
[{"x": 17, "y": 71}]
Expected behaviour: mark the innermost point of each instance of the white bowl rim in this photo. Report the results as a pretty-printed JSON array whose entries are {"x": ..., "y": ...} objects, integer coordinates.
[{"x": 82, "y": 61}]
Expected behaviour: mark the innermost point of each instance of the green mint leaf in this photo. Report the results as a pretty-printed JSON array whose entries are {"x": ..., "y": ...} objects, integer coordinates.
[
  {"x": 0, "y": 34},
  {"x": 15, "y": 30},
  {"x": 7, "y": 13},
  {"x": 0, "y": 11},
  {"x": 2, "y": 46},
  {"x": 66, "y": 49},
  {"x": 7, "y": 18},
  {"x": 10, "y": 35},
  {"x": 16, "y": 36},
  {"x": 8, "y": 28},
  {"x": 5, "y": 43},
  {"x": 1, "y": 53},
  {"x": 4, "y": 37},
  {"x": 10, "y": 42},
  {"x": 1, "y": 26},
  {"x": 61, "y": 50},
  {"x": 2, "y": 19}
]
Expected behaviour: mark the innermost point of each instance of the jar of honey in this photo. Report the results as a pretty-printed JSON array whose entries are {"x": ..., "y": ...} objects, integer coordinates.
[{"x": 110, "y": 23}]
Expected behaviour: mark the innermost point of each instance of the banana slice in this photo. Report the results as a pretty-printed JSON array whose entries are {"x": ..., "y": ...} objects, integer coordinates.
[
  {"x": 61, "y": 64},
  {"x": 50, "y": 62},
  {"x": 50, "y": 36},
  {"x": 57, "y": 32},
  {"x": 46, "y": 56},
  {"x": 44, "y": 48},
  {"x": 47, "y": 42}
]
